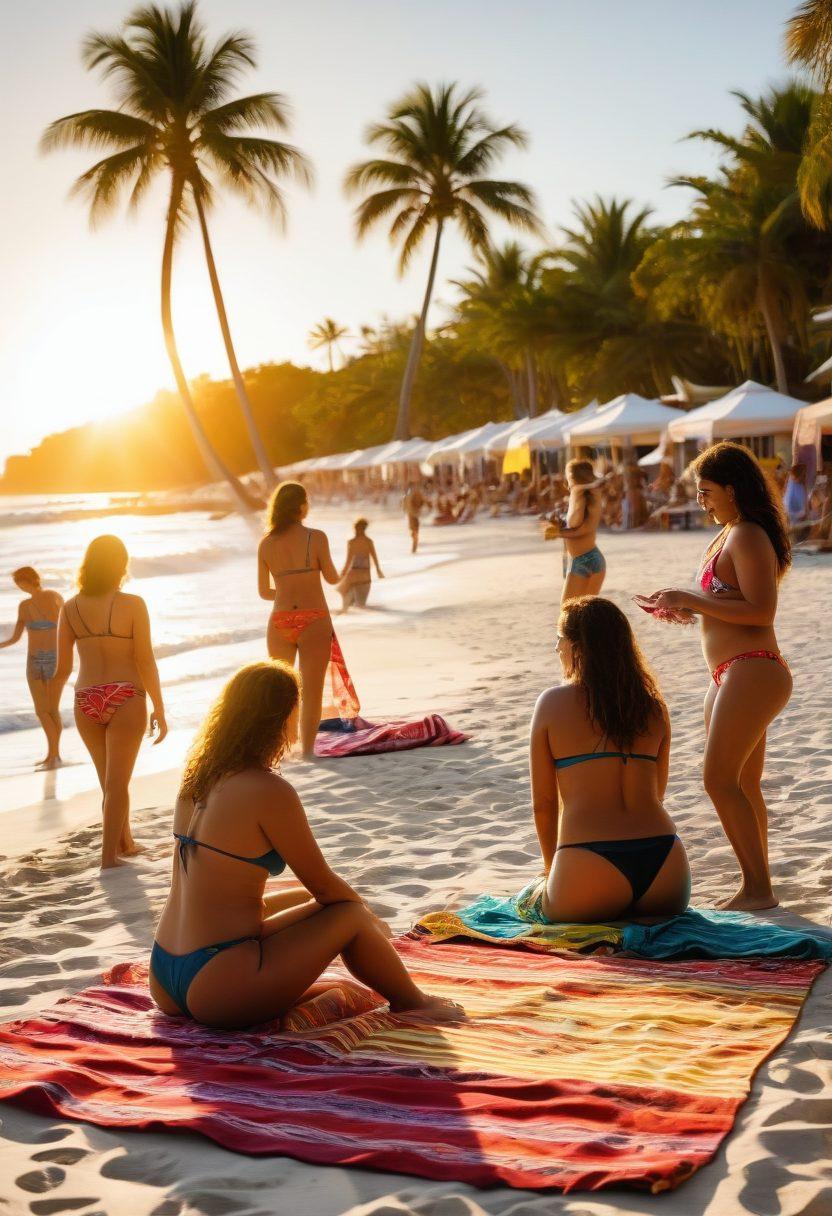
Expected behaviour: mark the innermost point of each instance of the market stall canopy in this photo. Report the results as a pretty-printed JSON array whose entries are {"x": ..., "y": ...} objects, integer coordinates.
[
  {"x": 498, "y": 444},
  {"x": 468, "y": 443},
  {"x": 750, "y": 410},
  {"x": 412, "y": 451},
  {"x": 810, "y": 425},
  {"x": 628, "y": 418}
]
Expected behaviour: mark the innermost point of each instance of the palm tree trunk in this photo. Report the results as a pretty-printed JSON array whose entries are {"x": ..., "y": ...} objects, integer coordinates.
[
  {"x": 764, "y": 301},
  {"x": 266, "y": 467},
  {"x": 329, "y": 352},
  {"x": 517, "y": 402},
  {"x": 402, "y": 430},
  {"x": 215, "y": 466},
  {"x": 531, "y": 381}
]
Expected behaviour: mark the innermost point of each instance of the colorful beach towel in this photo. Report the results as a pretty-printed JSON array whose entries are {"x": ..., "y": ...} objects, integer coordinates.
[
  {"x": 697, "y": 933},
  {"x": 362, "y": 738},
  {"x": 571, "y": 1071}
]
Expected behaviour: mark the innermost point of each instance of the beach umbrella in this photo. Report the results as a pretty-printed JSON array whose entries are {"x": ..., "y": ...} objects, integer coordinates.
[
  {"x": 748, "y": 411},
  {"x": 628, "y": 419}
]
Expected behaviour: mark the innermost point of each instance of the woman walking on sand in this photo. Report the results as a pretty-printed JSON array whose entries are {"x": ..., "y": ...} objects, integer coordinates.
[
  {"x": 226, "y": 953},
  {"x": 291, "y": 561},
  {"x": 356, "y": 576},
  {"x": 584, "y": 563},
  {"x": 38, "y": 616},
  {"x": 750, "y": 680},
  {"x": 117, "y": 673}
]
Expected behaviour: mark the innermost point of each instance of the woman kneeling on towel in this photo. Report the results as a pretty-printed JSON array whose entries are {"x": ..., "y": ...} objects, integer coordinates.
[
  {"x": 600, "y": 746},
  {"x": 295, "y": 558},
  {"x": 226, "y": 954}
]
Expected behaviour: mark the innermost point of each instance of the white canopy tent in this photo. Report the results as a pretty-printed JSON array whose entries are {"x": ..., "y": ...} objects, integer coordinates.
[
  {"x": 498, "y": 444},
  {"x": 412, "y": 451},
  {"x": 810, "y": 425},
  {"x": 628, "y": 419},
  {"x": 468, "y": 443},
  {"x": 748, "y": 411}
]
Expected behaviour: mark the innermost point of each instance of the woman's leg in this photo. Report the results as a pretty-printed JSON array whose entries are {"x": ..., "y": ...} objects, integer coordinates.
[
  {"x": 751, "y": 695},
  {"x": 314, "y": 647},
  {"x": 279, "y": 648},
  {"x": 257, "y": 981},
  {"x": 123, "y": 737},
  {"x": 93, "y": 737},
  {"x": 574, "y": 586},
  {"x": 42, "y": 702}
]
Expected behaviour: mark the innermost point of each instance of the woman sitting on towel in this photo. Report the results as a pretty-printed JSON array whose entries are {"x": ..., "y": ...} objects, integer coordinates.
[
  {"x": 599, "y": 752},
  {"x": 226, "y": 954}
]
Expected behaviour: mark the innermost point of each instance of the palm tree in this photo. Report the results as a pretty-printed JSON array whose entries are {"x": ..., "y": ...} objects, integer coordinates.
[
  {"x": 175, "y": 118},
  {"x": 328, "y": 333},
  {"x": 809, "y": 39},
  {"x": 438, "y": 144}
]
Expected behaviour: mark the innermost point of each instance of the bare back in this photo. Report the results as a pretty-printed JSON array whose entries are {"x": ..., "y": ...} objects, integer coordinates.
[
  {"x": 294, "y": 561},
  {"x": 104, "y": 627},
  {"x": 603, "y": 798}
]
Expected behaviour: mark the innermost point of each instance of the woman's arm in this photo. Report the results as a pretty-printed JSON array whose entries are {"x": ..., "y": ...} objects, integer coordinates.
[
  {"x": 146, "y": 663},
  {"x": 757, "y": 580},
  {"x": 287, "y": 830},
  {"x": 66, "y": 648},
  {"x": 578, "y": 514},
  {"x": 544, "y": 783},
  {"x": 264, "y": 585},
  {"x": 349, "y": 558},
  {"x": 17, "y": 632},
  {"x": 374, "y": 556},
  {"x": 663, "y": 757},
  {"x": 328, "y": 571}
]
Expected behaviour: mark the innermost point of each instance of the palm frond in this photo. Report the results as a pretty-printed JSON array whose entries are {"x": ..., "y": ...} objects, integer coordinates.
[
  {"x": 378, "y": 172},
  {"x": 270, "y": 110},
  {"x": 482, "y": 154},
  {"x": 98, "y": 129},
  {"x": 105, "y": 181},
  {"x": 511, "y": 201},
  {"x": 376, "y": 206}
]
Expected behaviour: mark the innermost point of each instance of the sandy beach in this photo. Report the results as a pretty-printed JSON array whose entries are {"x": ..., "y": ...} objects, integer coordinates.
[{"x": 421, "y": 830}]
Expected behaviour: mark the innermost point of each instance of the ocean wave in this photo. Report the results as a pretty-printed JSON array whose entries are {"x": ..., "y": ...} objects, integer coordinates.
[
  {"x": 181, "y": 563},
  {"x": 225, "y": 637},
  {"x": 17, "y": 719}
]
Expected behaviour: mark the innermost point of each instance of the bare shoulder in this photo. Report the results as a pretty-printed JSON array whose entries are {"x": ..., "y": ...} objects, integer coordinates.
[
  {"x": 261, "y": 789},
  {"x": 749, "y": 535},
  {"x": 555, "y": 701}
]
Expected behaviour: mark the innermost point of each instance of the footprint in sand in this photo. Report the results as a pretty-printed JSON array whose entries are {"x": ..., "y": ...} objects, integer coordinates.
[{"x": 38, "y": 1182}]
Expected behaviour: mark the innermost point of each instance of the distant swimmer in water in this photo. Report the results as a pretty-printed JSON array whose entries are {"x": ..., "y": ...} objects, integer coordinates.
[
  {"x": 117, "y": 674},
  {"x": 37, "y": 616},
  {"x": 750, "y": 680},
  {"x": 584, "y": 563},
  {"x": 599, "y": 757},
  {"x": 412, "y": 504},
  {"x": 292, "y": 559},
  {"x": 227, "y": 953},
  {"x": 356, "y": 576}
]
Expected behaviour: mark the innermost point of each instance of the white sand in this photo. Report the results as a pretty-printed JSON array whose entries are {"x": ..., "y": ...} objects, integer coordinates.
[{"x": 419, "y": 829}]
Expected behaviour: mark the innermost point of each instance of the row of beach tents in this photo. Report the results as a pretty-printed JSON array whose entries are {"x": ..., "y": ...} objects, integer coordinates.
[{"x": 629, "y": 421}]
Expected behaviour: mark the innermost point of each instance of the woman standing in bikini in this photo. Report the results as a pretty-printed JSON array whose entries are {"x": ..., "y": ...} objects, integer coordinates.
[
  {"x": 117, "y": 672},
  {"x": 599, "y": 754},
  {"x": 38, "y": 616},
  {"x": 750, "y": 681},
  {"x": 584, "y": 563},
  {"x": 295, "y": 558},
  {"x": 356, "y": 576}
]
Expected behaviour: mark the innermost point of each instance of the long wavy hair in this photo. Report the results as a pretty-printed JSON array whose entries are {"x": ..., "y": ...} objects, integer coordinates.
[
  {"x": 622, "y": 696},
  {"x": 244, "y": 728},
  {"x": 285, "y": 506},
  {"x": 104, "y": 567},
  {"x": 581, "y": 472},
  {"x": 730, "y": 464}
]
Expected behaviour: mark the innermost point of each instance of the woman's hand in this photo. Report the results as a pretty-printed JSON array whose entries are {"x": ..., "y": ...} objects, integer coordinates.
[{"x": 158, "y": 725}]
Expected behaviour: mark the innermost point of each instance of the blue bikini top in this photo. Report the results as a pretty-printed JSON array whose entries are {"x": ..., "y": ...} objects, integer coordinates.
[
  {"x": 568, "y": 761},
  {"x": 41, "y": 624},
  {"x": 271, "y": 861}
]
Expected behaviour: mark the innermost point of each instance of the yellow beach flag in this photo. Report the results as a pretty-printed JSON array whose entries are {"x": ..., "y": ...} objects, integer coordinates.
[{"x": 517, "y": 460}]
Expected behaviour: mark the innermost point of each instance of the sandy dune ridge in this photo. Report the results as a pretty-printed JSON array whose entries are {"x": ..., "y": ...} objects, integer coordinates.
[{"x": 474, "y": 640}]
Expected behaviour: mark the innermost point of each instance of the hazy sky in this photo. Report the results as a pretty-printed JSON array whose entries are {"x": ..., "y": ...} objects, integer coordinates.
[{"x": 605, "y": 88}]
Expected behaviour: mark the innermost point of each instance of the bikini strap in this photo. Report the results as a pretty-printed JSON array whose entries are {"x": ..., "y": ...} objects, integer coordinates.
[
  {"x": 84, "y": 624},
  {"x": 308, "y": 547},
  {"x": 109, "y": 632}
]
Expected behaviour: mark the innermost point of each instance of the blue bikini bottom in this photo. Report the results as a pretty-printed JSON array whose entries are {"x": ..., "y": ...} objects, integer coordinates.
[
  {"x": 176, "y": 972},
  {"x": 587, "y": 564}
]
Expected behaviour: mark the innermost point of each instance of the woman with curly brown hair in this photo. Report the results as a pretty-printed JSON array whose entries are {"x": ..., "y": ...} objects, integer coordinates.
[
  {"x": 750, "y": 680},
  {"x": 599, "y": 756},
  {"x": 295, "y": 559},
  {"x": 227, "y": 954}
]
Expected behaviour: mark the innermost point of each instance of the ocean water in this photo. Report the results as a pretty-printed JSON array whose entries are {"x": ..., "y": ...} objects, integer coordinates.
[{"x": 198, "y": 576}]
